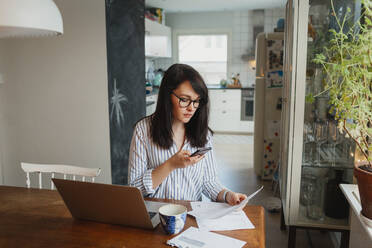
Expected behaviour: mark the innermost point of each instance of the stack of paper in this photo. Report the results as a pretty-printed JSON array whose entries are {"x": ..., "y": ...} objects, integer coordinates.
[
  {"x": 233, "y": 221},
  {"x": 213, "y": 210},
  {"x": 217, "y": 210},
  {"x": 196, "y": 238},
  {"x": 215, "y": 216}
]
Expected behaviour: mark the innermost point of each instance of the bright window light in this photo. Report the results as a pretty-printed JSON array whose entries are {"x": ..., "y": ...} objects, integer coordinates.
[{"x": 206, "y": 53}]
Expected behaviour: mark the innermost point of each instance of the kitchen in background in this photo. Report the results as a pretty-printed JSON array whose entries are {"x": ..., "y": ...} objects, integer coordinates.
[
  {"x": 169, "y": 38},
  {"x": 158, "y": 44}
]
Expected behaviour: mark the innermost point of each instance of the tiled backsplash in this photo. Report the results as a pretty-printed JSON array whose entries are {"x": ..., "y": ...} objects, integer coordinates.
[
  {"x": 271, "y": 18},
  {"x": 242, "y": 41}
]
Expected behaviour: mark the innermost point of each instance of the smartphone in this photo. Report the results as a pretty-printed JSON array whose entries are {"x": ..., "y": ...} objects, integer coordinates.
[{"x": 201, "y": 151}]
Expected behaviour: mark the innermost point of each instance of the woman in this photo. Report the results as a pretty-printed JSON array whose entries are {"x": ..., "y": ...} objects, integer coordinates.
[{"x": 160, "y": 164}]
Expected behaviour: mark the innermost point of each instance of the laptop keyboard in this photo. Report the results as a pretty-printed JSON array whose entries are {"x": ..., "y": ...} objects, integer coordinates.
[{"x": 152, "y": 214}]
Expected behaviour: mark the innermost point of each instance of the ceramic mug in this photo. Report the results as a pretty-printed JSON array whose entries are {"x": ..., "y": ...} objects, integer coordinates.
[{"x": 172, "y": 218}]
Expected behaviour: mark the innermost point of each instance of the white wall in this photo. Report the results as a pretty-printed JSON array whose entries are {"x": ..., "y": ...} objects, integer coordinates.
[
  {"x": 3, "y": 63},
  {"x": 54, "y": 100},
  {"x": 271, "y": 18},
  {"x": 240, "y": 23},
  {"x": 200, "y": 20}
]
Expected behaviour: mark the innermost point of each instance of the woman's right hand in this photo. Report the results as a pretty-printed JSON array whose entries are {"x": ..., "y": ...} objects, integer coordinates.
[{"x": 182, "y": 159}]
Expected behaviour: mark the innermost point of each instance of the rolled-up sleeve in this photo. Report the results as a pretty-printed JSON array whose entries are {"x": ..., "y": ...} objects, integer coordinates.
[
  {"x": 139, "y": 175},
  {"x": 211, "y": 185}
]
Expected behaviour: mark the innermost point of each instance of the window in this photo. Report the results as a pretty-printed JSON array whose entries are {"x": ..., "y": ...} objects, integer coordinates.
[{"x": 206, "y": 53}]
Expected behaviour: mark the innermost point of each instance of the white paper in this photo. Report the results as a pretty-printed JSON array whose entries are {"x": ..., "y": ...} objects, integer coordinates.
[
  {"x": 233, "y": 221},
  {"x": 214, "y": 210},
  {"x": 196, "y": 238}
]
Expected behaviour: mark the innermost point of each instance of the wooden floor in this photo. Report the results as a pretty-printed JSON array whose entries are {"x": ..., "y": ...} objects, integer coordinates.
[{"x": 234, "y": 155}]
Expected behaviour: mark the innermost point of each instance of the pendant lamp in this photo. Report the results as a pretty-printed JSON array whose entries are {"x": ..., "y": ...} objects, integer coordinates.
[{"x": 29, "y": 18}]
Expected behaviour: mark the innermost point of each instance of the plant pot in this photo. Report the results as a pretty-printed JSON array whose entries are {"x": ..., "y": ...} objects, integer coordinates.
[{"x": 364, "y": 179}]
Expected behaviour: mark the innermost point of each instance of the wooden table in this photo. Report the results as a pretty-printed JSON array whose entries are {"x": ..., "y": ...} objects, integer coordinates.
[{"x": 39, "y": 218}]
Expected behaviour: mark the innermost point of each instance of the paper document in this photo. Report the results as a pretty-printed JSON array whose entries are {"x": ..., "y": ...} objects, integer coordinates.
[
  {"x": 216, "y": 210},
  {"x": 196, "y": 238},
  {"x": 232, "y": 221}
]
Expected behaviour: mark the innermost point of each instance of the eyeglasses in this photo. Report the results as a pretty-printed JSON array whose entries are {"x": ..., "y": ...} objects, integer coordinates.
[{"x": 185, "y": 102}]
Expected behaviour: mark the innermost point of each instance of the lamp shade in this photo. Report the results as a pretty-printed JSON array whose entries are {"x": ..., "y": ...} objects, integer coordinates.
[{"x": 25, "y": 18}]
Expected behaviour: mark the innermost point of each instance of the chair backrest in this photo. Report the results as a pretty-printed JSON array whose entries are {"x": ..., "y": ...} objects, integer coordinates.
[{"x": 62, "y": 169}]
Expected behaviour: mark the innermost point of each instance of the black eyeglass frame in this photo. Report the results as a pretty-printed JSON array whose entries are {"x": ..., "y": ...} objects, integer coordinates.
[{"x": 199, "y": 102}]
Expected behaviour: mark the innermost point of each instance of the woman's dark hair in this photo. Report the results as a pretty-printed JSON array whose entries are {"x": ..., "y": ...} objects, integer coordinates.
[{"x": 161, "y": 121}]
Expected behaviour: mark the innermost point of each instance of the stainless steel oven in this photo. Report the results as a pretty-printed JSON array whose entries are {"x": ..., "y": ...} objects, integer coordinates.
[{"x": 247, "y": 107}]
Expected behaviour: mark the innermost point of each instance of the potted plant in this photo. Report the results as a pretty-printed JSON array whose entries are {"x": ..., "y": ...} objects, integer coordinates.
[{"x": 347, "y": 64}]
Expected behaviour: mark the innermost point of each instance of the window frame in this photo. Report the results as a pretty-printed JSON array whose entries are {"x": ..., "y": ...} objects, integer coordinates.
[{"x": 179, "y": 32}]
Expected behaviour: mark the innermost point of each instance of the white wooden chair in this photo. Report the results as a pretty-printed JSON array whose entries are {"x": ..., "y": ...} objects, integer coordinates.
[{"x": 62, "y": 169}]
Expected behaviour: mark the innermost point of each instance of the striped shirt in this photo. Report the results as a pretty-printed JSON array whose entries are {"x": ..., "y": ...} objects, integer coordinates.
[{"x": 181, "y": 184}]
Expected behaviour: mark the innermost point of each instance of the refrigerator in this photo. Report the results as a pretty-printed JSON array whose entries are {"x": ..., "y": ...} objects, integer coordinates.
[{"x": 268, "y": 103}]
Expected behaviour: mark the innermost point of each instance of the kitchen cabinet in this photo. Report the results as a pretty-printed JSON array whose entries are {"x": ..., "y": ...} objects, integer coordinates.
[
  {"x": 158, "y": 40},
  {"x": 225, "y": 111},
  {"x": 315, "y": 156}
]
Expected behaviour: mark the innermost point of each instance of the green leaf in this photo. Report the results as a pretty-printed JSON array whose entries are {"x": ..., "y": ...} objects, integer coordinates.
[
  {"x": 309, "y": 98},
  {"x": 347, "y": 61}
]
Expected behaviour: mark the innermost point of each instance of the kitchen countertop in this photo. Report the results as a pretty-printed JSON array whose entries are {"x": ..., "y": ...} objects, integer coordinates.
[
  {"x": 155, "y": 91},
  {"x": 148, "y": 103},
  {"x": 218, "y": 87}
]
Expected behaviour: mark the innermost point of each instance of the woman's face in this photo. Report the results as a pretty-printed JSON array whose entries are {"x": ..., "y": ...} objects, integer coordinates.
[{"x": 181, "y": 96}]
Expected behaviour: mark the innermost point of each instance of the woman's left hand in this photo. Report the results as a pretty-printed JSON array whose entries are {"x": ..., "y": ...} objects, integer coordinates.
[{"x": 233, "y": 198}]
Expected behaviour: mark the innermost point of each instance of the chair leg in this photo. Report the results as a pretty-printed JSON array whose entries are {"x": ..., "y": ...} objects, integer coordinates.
[
  {"x": 276, "y": 186},
  {"x": 292, "y": 237},
  {"x": 345, "y": 237},
  {"x": 282, "y": 221}
]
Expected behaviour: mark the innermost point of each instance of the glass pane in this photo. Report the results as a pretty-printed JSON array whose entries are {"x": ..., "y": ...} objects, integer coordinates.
[
  {"x": 328, "y": 156},
  {"x": 249, "y": 107},
  {"x": 206, "y": 53},
  {"x": 287, "y": 85}
]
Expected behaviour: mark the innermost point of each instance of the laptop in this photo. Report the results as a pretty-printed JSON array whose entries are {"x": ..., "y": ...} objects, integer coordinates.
[{"x": 112, "y": 204}]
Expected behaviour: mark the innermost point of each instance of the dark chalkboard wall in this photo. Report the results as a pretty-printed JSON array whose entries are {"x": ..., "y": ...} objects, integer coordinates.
[{"x": 126, "y": 76}]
